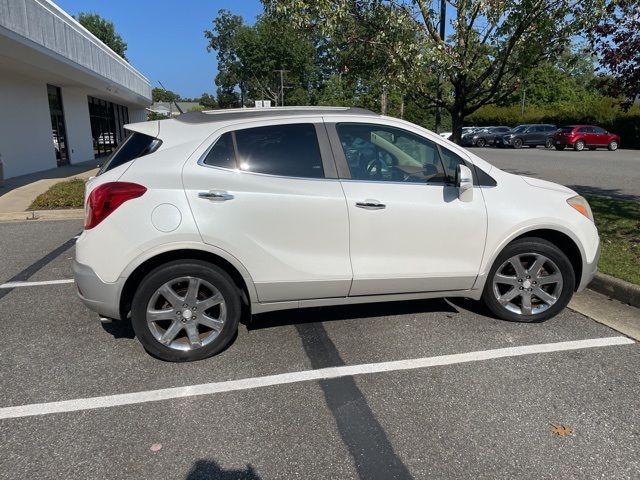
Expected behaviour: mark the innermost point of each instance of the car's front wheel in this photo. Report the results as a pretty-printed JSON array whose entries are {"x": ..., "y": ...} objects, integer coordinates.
[
  {"x": 579, "y": 146},
  {"x": 517, "y": 143},
  {"x": 613, "y": 145},
  {"x": 481, "y": 142},
  {"x": 531, "y": 280},
  {"x": 186, "y": 310}
]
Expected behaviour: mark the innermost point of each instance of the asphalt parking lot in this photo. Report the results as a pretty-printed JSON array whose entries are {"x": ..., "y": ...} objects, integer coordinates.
[
  {"x": 453, "y": 413},
  {"x": 600, "y": 172}
]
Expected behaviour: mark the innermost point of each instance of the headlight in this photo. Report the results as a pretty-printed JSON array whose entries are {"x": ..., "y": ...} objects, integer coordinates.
[{"x": 581, "y": 205}]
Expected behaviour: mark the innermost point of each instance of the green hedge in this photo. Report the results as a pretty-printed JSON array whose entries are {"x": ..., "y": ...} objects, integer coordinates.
[{"x": 603, "y": 112}]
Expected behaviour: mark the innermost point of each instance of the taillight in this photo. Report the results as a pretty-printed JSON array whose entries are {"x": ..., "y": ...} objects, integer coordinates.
[{"x": 104, "y": 199}]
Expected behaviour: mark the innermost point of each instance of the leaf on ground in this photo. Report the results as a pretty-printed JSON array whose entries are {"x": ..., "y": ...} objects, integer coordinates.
[{"x": 561, "y": 430}]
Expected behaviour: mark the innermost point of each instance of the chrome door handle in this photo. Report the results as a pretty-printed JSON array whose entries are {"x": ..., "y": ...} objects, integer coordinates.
[
  {"x": 371, "y": 205},
  {"x": 216, "y": 195}
]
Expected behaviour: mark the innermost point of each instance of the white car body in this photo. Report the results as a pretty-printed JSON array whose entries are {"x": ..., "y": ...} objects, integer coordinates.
[{"x": 299, "y": 242}]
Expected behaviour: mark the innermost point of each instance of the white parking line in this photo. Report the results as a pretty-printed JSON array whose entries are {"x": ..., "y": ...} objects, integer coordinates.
[
  {"x": 301, "y": 376},
  {"x": 34, "y": 284}
]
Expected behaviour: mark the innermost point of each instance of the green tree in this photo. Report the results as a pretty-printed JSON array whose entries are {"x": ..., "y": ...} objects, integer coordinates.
[
  {"x": 249, "y": 58},
  {"x": 208, "y": 101},
  {"x": 104, "y": 30},
  {"x": 491, "y": 47},
  {"x": 161, "y": 95}
]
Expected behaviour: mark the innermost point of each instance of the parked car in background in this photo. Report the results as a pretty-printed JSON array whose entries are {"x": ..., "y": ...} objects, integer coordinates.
[
  {"x": 446, "y": 135},
  {"x": 483, "y": 136},
  {"x": 197, "y": 219},
  {"x": 528, "y": 135},
  {"x": 580, "y": 137}
]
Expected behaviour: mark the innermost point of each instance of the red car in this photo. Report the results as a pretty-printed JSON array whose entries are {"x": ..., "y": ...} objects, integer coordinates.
[{"x": 585, "y": 136}]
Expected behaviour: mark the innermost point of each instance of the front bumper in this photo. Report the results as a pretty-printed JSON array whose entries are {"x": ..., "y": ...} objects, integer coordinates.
[
  {"x": 589, "y": 271},
  {"x": 99, "y": 296}
]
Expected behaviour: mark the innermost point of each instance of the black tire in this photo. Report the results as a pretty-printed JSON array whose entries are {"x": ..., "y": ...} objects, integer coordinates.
[
  {"x": 548, "y": 143},
  {"x": 613, "y": 145},
  {"x": 535, "y": 246},
  {"x": 212, "y": 274},
  {"x": 481, "y": 142},
  {"x": 560, "y": 147},
  {"x": 517, "y": 143},
  {"x": 579, "y": 145}
]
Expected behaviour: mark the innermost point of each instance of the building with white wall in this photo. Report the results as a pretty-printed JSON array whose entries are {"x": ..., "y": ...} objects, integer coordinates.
[{"x": 64, "y": 95}]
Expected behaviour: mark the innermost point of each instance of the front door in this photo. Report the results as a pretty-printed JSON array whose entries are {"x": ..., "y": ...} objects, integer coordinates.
[
  {"x": 264, "y": 195},
  {"x": 409, "y": 232}
]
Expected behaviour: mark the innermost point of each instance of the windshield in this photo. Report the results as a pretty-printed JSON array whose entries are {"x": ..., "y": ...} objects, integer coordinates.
[{"x": 135, "y": 145}]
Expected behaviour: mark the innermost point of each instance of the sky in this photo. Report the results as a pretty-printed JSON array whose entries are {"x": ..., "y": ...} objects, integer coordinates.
[{"x": 165, "y": 39}]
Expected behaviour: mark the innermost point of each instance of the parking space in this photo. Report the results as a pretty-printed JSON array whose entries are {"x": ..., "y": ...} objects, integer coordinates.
[
  {"x": 444, "y": 417},
  {"x": 600, "y": 172}
]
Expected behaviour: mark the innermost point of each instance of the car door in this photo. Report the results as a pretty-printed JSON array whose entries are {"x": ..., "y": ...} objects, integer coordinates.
[
  {"x": 409, "y": 231},
  {"x": 268, "y": 195},
  {"x": 600, "y": 137}
]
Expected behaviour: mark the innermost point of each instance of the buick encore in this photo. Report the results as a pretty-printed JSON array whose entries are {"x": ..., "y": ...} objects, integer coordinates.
[{"x": 198, "y": 219}]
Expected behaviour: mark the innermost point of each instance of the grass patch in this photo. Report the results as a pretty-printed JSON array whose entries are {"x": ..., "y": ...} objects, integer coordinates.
[
  {"x": 618, "y": 222},
  {"x": 67, "y": 194}
]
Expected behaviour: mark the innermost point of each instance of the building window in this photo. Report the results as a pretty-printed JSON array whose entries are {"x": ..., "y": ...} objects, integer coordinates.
[
  {"x": 107, "y": 122},
  {"x": 58, "y": 130}
]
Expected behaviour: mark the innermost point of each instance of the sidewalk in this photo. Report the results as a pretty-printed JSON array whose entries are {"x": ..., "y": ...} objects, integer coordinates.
[{"x": 17, "y": 193}]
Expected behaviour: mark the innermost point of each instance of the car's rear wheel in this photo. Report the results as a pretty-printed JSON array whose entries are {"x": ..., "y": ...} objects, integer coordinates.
[
  {"x": 613, "y": 145},
  {"x": 579, "y": 146},
  {"x": 481, "y": 142},
  {"x": 548, "y": 143},
  {"x": 517, "y": 143},
  {"x": 185, "y": 311},
  {"x": 530, "y": 281}
]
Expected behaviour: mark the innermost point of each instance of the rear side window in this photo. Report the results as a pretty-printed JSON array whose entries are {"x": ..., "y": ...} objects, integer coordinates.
[
  {"x": 135, "y": 145},
  {"x": 285, "y": 150},
  {"x": 222, "y": 153}
]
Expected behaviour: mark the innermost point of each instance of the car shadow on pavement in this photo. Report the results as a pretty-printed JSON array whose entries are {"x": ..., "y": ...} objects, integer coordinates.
[
  {"x": 345, "y": 312},
  {"x": 210, "y": 470},
  {"x": 603, "y": 192}
]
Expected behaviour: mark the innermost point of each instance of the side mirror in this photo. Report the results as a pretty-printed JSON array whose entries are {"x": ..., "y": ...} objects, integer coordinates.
[{"x": 464, "y": 182}]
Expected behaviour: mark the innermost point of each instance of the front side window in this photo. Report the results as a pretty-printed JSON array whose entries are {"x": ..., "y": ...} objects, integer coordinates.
[
  {"x": 136, "y": 145},
  {"x": 381, "y": 153},
  {"x": 286, "y": 150}
]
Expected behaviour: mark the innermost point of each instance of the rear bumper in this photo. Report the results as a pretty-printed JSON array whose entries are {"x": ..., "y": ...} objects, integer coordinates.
[{"x": 99, "y": 296}]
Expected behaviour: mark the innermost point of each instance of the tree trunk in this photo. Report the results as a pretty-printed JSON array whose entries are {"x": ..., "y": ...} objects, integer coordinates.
[{"x": 457, "y": 120}]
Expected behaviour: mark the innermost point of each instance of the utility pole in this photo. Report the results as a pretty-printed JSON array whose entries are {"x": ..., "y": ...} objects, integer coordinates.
[
  {"x": 383, "y": 100},
  {"x": 524, "y": 98},
  {"x": 282, "y": 72},
  {"x": 443, "y": 19}
]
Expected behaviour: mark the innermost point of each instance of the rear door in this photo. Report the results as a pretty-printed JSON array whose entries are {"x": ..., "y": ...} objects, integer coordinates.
[
  {"x": 268, "y": 195},
  {"x": 409, "y": 231}
]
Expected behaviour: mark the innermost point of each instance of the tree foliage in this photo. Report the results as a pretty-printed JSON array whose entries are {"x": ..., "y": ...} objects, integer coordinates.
[
  {"x": 249, "y": 57},
  {"x": 104, "y": 30},
  {"x": 491, "y": 45},
  {"x": 616, "y": 41},
  {"x": 161, "y": 95}
]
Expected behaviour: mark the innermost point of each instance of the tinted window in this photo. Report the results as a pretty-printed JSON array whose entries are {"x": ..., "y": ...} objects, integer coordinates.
[
  {"x": 286, "y": 150},
  {"x": 599, "y": 130},
  {"x": 451, "y": 161},
  {"x": 222, "y": 153},
  {"x": 566, "y": 129},
  {"x": 549, "y": 128},
  {"x": 381, "y": 153},
  {"x": 136, "y": 145},
  {"x": 584, "y": 130}
]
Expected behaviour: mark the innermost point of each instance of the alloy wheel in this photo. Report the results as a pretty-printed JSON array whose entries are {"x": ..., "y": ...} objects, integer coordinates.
[
  {"x": 186, "y": 313},
  {"x": 527, "y": 284}
]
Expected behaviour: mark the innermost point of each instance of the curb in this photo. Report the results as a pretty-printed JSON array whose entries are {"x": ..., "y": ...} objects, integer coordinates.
[
  {"x": 617, "y": 289},
  {"x": 67, "y": 214}
]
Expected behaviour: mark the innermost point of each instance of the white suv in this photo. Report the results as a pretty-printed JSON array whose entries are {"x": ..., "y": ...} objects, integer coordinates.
[{"x": 197, "y": 218}]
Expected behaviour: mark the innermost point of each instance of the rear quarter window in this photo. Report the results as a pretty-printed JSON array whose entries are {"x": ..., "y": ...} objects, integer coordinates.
[{"x": 134, "y": 146}]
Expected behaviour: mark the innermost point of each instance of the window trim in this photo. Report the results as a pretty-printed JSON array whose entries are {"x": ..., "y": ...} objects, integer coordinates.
[{"x": 326, "y": 154}]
